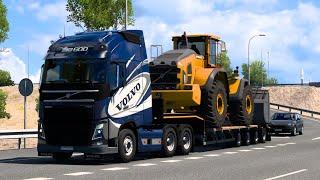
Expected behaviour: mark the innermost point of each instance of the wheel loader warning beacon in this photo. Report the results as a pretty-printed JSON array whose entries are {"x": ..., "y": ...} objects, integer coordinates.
[{"x": 99, "y": 94}]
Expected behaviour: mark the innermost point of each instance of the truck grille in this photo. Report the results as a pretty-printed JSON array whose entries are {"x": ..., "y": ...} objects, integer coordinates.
[{"x": 68, "y": 125}]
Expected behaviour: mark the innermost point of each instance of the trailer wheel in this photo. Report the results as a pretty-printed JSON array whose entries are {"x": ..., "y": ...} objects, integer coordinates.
[
  {"x": 127, "y": 145},
  {"x": 241, "y": 111},
  {"x": 169, "y": 142},
  {"x": 238, "y": 140},
  {"x": 246, "y": 138},
  {"x": 268, "y": 136},
  {"x": 185, "y": 140},
  {"x": 262, "y": 135},
  {"x": 61, "y": 156},
  {"x": 216, "y": 106},
  {"x": 254, "y": 137}
]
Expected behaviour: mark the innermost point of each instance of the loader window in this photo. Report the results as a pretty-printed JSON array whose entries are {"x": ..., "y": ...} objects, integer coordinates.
[{"x": 213, "y": 52}]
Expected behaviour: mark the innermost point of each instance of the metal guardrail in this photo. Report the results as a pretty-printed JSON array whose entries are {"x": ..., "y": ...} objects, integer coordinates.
[
  {"x": 302, "y": 111},
  {"x": 19, "y": 134}
]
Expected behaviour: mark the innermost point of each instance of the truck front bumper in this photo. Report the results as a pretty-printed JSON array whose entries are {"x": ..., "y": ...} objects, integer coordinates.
[{"x": 47, "y": 150}]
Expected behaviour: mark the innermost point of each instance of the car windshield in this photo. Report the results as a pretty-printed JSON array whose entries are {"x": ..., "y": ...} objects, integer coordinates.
[
  {"x": 74, "y": 71},
  {"x": 283, "y": 116}
]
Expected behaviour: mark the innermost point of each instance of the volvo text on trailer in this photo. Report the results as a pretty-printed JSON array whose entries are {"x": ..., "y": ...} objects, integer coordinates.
[{"x": 100, "y": 95}]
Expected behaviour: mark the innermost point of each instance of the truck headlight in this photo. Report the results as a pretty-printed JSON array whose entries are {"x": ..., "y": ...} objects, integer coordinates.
[
  {"x": 289, "y": 124},
  {"x": 98, "y": 132}
]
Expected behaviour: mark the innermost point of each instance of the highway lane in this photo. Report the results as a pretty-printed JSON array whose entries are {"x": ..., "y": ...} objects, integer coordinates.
[{"x": 284, "y": 157}]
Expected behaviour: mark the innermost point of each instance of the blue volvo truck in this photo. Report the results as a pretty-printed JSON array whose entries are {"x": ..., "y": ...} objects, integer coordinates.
[{"x": 96, "y": 98}]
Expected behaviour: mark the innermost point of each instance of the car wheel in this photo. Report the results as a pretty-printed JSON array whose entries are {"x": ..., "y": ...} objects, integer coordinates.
[
  {"x": 301, "y": 131},
  {"x": 294, "y": 131}
]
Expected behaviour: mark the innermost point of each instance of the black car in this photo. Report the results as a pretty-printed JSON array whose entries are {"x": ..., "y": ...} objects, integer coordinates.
[{"x": 287, "y": 123}]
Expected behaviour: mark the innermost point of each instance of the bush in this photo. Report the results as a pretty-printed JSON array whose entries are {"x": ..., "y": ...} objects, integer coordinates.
[
  {"x": 5, "y": 78},
  {"x": 37, "y": 104},
  {"x": 3, "y": 98}
]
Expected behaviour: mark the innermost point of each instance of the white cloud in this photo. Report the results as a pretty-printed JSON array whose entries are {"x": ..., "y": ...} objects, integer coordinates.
[
  {"x": 51, "y": 10},
  {"x": 285, "y": 29},
  {"x": 39, "y": 43},
  {"x": 15, "y": 66}
]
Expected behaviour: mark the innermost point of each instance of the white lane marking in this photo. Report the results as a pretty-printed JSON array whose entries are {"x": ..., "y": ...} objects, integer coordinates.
[
  {"x": 280, "y": 137},
  {"x": 144, "y": 164},
  {"x": 78, "y": 174},
  {"x": 230, "y": 152},
  {"x": 288, "y": 174},
  {"x": 77, "y": 154},
  {"x": 212, "y": 155},
  {"x": 315, "y": 138},
  {"x": 258, "y": 148},
  {"x": 171, "y": 161},
  {"x": 245, "y": 150},
  {"x": 290, "y": 143},
  {"x": 270, "y": 146},
  {"x": 193, "y": 158},
  {"x": 281, "y": 144},
  {"x": 114, "y": 169},
  {"x": 39, "y": 178}
]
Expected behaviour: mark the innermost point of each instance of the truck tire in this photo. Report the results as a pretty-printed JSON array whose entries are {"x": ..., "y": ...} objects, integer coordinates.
[
  {"x": 241, "y": 111},
  {"x": 246, "y": 138},
  {"x": 216, "y": 105},
  {"x": 169, "y": 142},
  {"x": 127, "y": 145},
  {"x": 185, "y": 140},
  {"x": 61, "y": 156}
]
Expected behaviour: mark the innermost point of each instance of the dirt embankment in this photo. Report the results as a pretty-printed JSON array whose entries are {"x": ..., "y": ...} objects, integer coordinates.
[
  {"x": 305, "y": 97},
  {"x": 15, "y": 106}
]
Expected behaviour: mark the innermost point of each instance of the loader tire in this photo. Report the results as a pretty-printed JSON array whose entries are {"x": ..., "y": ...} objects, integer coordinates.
[
  {"x": 241, "y": 112},
  {"x": 216, "y": 105}
]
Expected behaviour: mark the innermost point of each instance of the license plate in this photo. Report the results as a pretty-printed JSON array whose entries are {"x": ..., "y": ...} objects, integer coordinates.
[
  {"x": 278, "y": 130},
  {"x": 66, "y": 148}
]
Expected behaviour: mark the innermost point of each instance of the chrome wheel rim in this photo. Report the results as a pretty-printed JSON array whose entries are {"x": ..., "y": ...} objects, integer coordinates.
[
  {"x": 170, "y": 142},
  {"x": 186, "y": 139},
  {"x": 128, "y": 145}
]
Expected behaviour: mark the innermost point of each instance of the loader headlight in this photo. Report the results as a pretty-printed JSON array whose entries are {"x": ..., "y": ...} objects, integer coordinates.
[{"x": 98, "y": 132}]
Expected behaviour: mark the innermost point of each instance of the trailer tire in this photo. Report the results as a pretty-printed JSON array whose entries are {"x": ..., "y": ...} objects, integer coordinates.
[
  {"x": 254, "y": 137},
  {"x": 262, "y": 135},
  {"x": 241, "y": 111},
  {"x": 61, "y": 156},
  {"x": 216, "y": 103},
  {"x": 185, "y": 140},
  {"x": 127, "y": 145},
  {"x": 169, "y": 142},
  {"x": 268, "y": 137},
  {"x": 237, "y": 138},
  {"x": 246, "y": 138}
]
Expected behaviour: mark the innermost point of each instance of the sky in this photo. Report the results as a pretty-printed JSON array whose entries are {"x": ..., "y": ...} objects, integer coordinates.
[{"x": 291, "y": 26}]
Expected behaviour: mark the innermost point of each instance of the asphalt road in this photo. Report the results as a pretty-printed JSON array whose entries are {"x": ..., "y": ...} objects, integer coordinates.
[{"x": 283, "y": 158}]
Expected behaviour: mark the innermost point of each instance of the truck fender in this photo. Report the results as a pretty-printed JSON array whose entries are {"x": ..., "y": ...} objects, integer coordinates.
[
  {"x": 239, "y": 94},
  {"x": 221, "y": 75}
]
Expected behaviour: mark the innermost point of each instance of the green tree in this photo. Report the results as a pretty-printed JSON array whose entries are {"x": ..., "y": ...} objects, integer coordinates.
[
  {"x": 5, "y": 78},
  {"x": 37, "y": 104},
  {"x": 4, "y": 25},
  {"x": 3, "y": 98},
  {"x": 99, "y": 14},
  {"x": 224, "y": 60},
  {"x": 258, "y": 74}
]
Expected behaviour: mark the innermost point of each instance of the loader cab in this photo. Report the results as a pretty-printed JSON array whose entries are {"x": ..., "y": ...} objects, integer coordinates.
[{"x": 208, "y": 46}]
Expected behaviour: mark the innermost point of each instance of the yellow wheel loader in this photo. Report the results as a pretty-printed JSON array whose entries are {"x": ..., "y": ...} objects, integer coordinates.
[{"x": 190, "y": 80}]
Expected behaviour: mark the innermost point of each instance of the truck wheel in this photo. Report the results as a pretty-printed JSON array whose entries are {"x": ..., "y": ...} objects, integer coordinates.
[
  {"x": 246, "y": 138},
  {"x": 169, "y": 142},
  {"x": 61, "y": 156},
  {"x": 241, "y": 112},
  {"x": 262, "y": 135},
  {"x": 127, "y": 145},
  {"x": 238, "y": 140},
  {"x": 268, "y": 136},
  {"x": 254, "y": 137},
  {"x": 185, "y": 141},
  {"x": 216, "y": 109}
]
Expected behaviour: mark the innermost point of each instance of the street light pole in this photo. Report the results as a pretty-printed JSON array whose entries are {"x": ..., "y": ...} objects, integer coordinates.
[
  {"x": 126, "y": 23},
  {"x": 249, "y": 54}
]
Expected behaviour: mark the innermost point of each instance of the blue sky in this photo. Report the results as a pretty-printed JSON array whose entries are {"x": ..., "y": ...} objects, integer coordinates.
[{"x": 292, "y": 28}]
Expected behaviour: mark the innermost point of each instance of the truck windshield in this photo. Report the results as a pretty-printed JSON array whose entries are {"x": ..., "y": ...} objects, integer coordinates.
[
  {"x": 282, "y": 116},
  {"x": 74, "y": 71}
]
